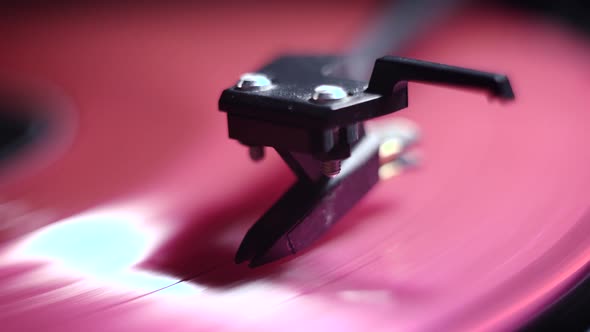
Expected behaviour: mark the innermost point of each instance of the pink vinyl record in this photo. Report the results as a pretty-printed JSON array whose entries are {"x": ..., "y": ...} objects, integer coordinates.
[{"x": 129, "y": 213}]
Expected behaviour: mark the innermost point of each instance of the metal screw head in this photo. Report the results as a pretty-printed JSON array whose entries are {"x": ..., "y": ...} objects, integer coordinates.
[
  {"x": 254, "y": 81},
  {"x": 327, "y": 93},
  {"x": 331, "y": 168}
]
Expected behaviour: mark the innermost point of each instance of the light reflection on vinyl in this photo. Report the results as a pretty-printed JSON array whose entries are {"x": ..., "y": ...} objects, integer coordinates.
[{"x": 104, "y": 245}]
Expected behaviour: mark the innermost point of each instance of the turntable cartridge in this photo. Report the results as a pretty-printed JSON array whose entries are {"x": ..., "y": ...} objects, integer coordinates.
[{"x": 315, "y": 122}]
